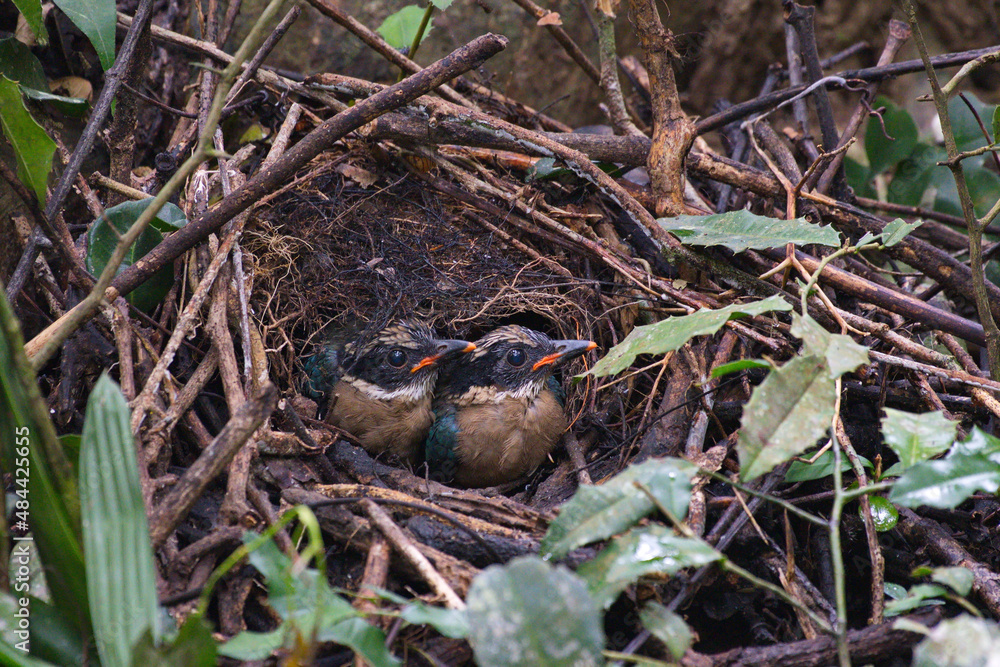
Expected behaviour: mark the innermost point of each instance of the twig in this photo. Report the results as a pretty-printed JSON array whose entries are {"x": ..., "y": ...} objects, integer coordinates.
[
  {"x": 407, "y": 550},
  {"x": 172, "y": 510}
]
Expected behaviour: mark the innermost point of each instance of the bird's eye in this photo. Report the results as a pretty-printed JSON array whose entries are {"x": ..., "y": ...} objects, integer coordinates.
[
  {"x": 516, "y": 357},
  {"x": 396, "y": 358}
]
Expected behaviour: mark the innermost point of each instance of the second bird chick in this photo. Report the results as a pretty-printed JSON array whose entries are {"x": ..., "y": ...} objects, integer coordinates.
[
  {"x": 385, "y": 387},
  {"x": 499, "y": 412}
]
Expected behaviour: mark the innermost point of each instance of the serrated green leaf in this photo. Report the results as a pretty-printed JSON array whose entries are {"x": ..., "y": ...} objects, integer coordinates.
[
  {"x": 668, "y": 627},
  {"x": 945, "y": 483},
  {"x": 599, "y": 511},
  {"x": 102, "y": 240},
  {"x": 32, "y": 147},
  {"x": 884, "y": 515},
  {"x": 640, "y": 552},
  {"x": 737, "y": 366},
  {"x": 841, "y": 353},
  {"x": 800, "y": 471},
  {"x": 897, "y": 230},
  {"x": 530, "y": 613},
  {"x": 400, "y": 28},
  {"x": 96, "y": 19},
  {"x": 786, "y": 415},
  {"x": 742, "y": 230},
  {"x": 121, "y": 575},
  {"x": 672, "y": 333},
  {"x": 963, "y": 641},
  {"x": 958, "y": 579},
  {"x": 885, "y": 151},
  {"x": 19, "y": 64},
  {"x": 979, "y": 443},
  {"x": 916, "y": 438}
]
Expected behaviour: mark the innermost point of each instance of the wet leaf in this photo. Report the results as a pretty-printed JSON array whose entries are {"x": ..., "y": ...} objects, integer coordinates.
[
  {"x": 640, "y": 552},
  {"x": 668, "y": 627},
  {"x": 916, "y": 438},
  {"x": 946, "y": 483},
  {"x": 671, "y": 334},
  {"x": 599, "y": 511},
  {"x": 741, "y": 230},
  {"x": 884, "y": 515},
  {"x": 786, "y": 415},
  {"x": 531, "y": 613}
]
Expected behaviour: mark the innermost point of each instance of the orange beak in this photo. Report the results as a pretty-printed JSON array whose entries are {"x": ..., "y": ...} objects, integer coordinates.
[
  {"x": 445, "y": 349},
  {"x": 565, "y": 350}
]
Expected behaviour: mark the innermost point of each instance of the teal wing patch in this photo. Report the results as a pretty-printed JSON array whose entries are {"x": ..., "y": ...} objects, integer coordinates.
[
  {"x": 556, "y": 388},
  {"x": 440, "y": 448},
  {"x": 322, "y": 371}
]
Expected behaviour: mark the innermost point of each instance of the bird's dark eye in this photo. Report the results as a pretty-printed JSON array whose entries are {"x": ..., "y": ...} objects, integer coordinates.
[
  {"x": 516, "y": 357},
  {"x": 396, "y": 358}
]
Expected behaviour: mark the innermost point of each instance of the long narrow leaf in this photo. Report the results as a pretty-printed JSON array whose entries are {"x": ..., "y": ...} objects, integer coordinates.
[{"x": 121, "y": 575}]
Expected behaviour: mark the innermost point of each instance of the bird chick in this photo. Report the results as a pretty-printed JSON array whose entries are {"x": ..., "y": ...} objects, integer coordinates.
[
  {"x": 380, "y": 389},
  {"x": 498, "y": 411}
]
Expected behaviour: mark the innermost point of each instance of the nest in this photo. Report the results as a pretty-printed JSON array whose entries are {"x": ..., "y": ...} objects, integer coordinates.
[{"x": 332, "y": 254}]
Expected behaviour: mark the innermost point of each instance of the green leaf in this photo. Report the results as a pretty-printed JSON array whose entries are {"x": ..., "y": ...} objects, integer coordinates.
[
  {"x": 894, "y": 591},
  {"x": 599, "y": 511},
  {"x": 996, "y": 124},
  {"x": 452, "y": 623},
  {"x": 916, "y": 438},
  {"x": 921, "y": 595},
  {"x": 102, "y": 240},
  {"x": 530, "y": 613},
  {"x": 32, "y": 147},
  {"x": 640, "y": 552},
  {"x": 671, "y": 334},
  {"x": 71, "y": 106},
  {"x": 897, "y": 230},
  {"x": 96, "y": 19},
  {"x": 979, "y": 443},
  {"x": 885, "y": 151},
  {"x": 737, "y": 366},
  {"x": 946, "y": 483},
  {"x": 668, "y": 627},
  {"x": 741, "y": 230},
  {"x": 254, "y": 645},
  {"x": 885, "y": 516},
  {"x": 46, "y": 498},
  {"x": 121, "y": 576},
  {"x": 192, "y": 647},
  {"x": 31, "y": 10},
  {"x": 309, "y": 609},
  {"x": 984, "y": 188},
  {"x": 786, "y": 415},
  {"x": 18, "y": 63},
  {"x": 800, "y": 471},
  {"x": 841, "y": 353},
  {"x": 963, "y": 641},
  {"x": 859, "y": 177},
  {"x": 915, "y": 174},
  {"x": 400, "y": 28},
  {"x": 442, "y": 4},
  {"x": 958, "y": 579},
  {"x": 968, "y": 134}
]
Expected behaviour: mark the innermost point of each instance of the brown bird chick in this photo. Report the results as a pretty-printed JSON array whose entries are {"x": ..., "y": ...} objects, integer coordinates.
[
  {"x": 380, "y": 390},
  {"x": 499, "y": 412}
]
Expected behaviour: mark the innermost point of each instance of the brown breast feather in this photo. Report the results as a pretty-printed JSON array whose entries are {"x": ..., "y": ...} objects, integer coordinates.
[{"x": 381, "y": 426}]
